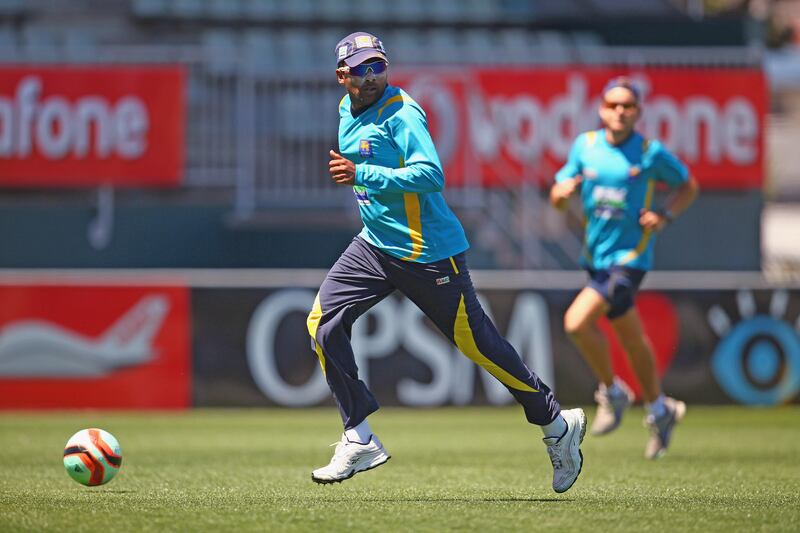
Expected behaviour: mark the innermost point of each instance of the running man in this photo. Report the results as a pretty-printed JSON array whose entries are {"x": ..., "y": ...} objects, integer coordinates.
[
  {"x": 413, "y": 243},
  {"x": 616, "y": 170}
]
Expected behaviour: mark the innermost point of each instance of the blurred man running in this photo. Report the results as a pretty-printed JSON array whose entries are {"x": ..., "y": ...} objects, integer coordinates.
[
  {"x": 616, "y": 170},
  {"x": 413, "y": 243}
]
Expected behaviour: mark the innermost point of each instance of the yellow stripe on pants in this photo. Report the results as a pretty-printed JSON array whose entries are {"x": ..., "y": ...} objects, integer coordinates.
[
  {"x": 312, "y": 323},
  {"x": 466, "y": 343}
]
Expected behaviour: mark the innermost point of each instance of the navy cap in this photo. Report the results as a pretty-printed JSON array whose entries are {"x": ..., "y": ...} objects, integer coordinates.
[
  {"x": 358, "y": 47},
  {"x": 624, "y": 82}
]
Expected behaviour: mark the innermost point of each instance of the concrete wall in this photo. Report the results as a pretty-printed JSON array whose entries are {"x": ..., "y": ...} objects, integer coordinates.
[{"x": 720, "y": 232}]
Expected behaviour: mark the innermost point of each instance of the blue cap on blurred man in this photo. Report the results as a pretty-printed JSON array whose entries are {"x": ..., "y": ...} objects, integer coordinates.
[
  {"x": 358, "y": 47},
  {"x": 626, "y": 83}
]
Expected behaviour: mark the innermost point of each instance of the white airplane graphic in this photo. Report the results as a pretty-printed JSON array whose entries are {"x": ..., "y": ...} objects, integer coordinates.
[{"x": 35, "y": 348}]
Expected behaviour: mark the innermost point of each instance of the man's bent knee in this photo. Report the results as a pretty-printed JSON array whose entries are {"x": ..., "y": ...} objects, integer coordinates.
[{"x": 575, "y": 328}]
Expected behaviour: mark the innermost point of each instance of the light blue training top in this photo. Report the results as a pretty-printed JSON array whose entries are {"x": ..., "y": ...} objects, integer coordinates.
[
  {"x": 399, "y": 179},
  {"x": 618, "y": 182}
]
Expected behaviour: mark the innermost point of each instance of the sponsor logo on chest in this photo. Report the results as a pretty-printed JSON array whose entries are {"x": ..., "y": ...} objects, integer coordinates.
[
  {"x": 610, "y": 202},
  {"x": 361, "y": 195}
]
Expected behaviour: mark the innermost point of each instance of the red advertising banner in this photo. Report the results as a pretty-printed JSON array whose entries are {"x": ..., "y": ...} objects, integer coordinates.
[
  {"x": 71, "y": 126},
  {"x": 505, "y": 126},
  {"x": 114, "y": 347}
]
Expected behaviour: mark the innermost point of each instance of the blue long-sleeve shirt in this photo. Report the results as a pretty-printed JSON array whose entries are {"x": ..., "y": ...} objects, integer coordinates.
[{"x": 399, "y": 179}]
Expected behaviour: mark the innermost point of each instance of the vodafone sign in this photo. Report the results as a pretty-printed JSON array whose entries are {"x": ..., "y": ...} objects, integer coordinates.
[
  {"x": 504, "y": 126},
  {"x": 87, "y": 126}
]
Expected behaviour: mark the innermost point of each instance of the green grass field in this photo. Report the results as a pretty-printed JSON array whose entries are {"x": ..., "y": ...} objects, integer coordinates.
[{"x": 730, "y": 469}]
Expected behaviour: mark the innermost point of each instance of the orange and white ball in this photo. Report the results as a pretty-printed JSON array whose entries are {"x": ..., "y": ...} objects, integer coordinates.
[{"x": 92, "y": 457}]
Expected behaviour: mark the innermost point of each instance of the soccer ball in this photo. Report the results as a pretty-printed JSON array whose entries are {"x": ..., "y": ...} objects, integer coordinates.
[{"x": 92, "y": 457}]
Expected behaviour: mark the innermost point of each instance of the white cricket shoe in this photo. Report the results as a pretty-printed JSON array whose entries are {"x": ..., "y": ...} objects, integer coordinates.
[
  {"x": 661, "y": 428},
  {"x": 351, "y": 458},
  {"x": 611, "y": 407},
  {"x": 565, "y": 452}
]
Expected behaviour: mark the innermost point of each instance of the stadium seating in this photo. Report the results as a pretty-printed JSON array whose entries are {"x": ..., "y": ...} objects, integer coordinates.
[
  {"x": 8, "y": 40},
  {"x": 187, "y": 9},
  {"x": 303, "y": 32},
  {"x": 12, "y": 8},
  {"x": 260, "y": 10},
  {"x": 150, "y": 8},
  {"x": 376, "y": 11}
]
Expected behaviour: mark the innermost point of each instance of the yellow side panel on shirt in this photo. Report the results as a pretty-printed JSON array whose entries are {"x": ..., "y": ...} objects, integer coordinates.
[
  {"x": 640, "y": 247},
  {"x": 585, "y": 251},
  {"x": 313, "y": 323},
  {"x": 466, "y": 343},
  {"x": 414, "y": 218}
]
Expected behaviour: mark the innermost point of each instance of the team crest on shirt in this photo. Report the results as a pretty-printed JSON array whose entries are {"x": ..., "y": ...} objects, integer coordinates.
[
  {"x": 589, "y": 173},
  {"x": 365, "y": 149},
  {"x": 361, "y": 195}
]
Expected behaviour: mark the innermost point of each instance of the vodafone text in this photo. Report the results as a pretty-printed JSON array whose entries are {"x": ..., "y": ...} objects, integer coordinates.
[{"x": 56, "y": 127}]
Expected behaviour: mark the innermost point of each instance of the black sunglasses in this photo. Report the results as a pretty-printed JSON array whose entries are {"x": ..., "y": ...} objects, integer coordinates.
[{"x": 377, "y": 68}]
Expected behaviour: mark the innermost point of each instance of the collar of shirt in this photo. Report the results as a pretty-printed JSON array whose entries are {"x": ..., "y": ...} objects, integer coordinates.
[{"x": 378, "y": 103}]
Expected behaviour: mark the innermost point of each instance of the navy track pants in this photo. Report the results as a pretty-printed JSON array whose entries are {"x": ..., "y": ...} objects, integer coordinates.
[{"x": 363, "y": 276}]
